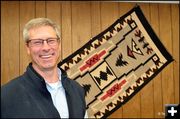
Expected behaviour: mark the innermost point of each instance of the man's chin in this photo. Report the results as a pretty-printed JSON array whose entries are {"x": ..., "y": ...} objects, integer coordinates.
[{"x": 48, "y": 67}]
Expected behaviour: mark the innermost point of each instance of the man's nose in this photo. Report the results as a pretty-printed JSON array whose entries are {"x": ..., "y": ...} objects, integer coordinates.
[{"x": 45, "y": 45}]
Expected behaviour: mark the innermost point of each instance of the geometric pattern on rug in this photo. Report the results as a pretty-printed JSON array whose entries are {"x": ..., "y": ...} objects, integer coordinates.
[{"x": 114, "y": 65}]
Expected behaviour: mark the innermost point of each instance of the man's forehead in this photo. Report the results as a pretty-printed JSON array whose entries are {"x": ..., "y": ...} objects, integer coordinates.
[{"x": 42, "y": 31}]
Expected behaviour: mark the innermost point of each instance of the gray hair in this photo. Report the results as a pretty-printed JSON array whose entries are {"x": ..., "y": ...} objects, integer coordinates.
[{"x": 37, "y": 22}]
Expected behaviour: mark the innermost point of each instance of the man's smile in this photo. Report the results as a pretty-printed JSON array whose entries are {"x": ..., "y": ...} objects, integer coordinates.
[{"x": 46, "y": 56}]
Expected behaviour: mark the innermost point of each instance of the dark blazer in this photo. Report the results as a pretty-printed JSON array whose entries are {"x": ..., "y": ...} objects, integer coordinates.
[{"x": 28, "y": 97}]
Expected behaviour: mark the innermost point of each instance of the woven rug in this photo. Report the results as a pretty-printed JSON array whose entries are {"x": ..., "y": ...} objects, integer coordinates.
[{"x": 114, "y": 65}]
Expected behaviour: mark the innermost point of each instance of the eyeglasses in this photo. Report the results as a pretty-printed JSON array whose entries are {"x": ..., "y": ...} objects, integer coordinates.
[{"x": 40, "y": 42}]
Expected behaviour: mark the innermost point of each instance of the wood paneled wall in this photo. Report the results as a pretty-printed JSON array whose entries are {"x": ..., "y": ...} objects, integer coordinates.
[{"x": 79, "y": 21}]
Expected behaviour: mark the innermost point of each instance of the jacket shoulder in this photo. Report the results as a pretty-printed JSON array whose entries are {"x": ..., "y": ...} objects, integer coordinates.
[
  {"x": 14, "y": 83},
  {"x": 10, "y": 89}
]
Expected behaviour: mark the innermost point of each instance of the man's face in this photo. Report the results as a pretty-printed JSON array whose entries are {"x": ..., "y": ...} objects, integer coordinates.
[{"x": 45, "y": 56}]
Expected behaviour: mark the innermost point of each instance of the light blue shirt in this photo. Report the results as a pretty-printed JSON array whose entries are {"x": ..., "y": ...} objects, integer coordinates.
[{"x": 59, "y": 97}]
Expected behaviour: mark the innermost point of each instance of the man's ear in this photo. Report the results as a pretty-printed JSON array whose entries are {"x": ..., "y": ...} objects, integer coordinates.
[{"x": 28, "y": 49}]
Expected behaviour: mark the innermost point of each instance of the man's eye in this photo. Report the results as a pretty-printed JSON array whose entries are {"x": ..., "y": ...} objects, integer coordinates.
[
  {"x": 51, "y": 41},
  {"x": 37, "y": 43}
]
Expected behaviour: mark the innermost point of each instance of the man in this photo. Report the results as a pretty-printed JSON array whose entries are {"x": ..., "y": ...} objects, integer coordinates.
[{"x": 44, "y": 90}]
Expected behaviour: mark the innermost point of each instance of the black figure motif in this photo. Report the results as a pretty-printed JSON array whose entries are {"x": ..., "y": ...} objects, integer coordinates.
[
  {"x": 142, "y": 40},
  {"x": 87, "y": 88},
  {"x": 120, "y": 62},
  {"x": 103, "y": 75}
]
